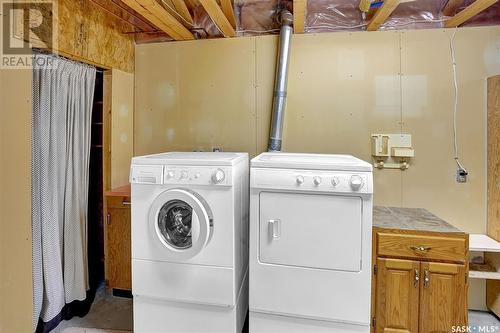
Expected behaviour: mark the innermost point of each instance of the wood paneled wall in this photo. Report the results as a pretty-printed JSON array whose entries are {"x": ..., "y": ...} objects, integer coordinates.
[{"x": 493, "y": 286}]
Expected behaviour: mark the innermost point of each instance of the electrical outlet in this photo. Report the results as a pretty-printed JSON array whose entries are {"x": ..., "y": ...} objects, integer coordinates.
[
  {"x": 462, "y": 175},
  {"x": 216, "y": 149}
]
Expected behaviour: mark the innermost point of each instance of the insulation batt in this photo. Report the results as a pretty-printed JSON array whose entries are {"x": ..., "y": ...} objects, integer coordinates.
[{"x": 255, "y": 17}]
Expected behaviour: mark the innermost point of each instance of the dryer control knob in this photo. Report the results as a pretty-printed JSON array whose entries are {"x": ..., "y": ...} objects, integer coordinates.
[
  {"x": 317, "y": 180},
  {"x": 184, "y": 175},
  {"x": 170, "y": 175},
  {"x": 356, "y": 182},
  {"x": 218, "y": 176},
  {"x": 299, "y": 180},
  {"x": 335, "y": 181}
]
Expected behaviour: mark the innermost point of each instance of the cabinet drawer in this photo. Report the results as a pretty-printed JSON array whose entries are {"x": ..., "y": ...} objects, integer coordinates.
[
  {"x": 118, "y": 202},
  {"x": 447, "y": 248}
]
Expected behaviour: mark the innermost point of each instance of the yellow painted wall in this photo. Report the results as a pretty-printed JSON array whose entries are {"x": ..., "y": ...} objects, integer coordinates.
[
  {"x": 15, "y": 201},
  {"x": 342, "y": 87},
  {"x": 122, "y": 126}
]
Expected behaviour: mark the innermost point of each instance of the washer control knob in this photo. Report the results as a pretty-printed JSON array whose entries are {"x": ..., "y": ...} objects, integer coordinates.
[
  {"x": 170, "y": 175},
  {"x": 317, "y": 180},
  {"x": 299, "y": 180},
  {"x": 218, "y": 176},
  {"x": 356, "y": 182},
  {"x": 184, "y": 175},
  {"x": 335, "y": 181},
  {"x": 197, "y": 175}
]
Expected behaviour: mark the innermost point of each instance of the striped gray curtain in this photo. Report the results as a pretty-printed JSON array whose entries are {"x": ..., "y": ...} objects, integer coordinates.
[{"x": 62, "y": 106}]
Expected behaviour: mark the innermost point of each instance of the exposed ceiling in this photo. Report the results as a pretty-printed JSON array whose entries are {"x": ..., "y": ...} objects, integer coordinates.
[{"x": 165, "y": 20}]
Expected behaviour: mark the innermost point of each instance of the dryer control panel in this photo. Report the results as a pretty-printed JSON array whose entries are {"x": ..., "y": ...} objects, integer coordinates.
[{"x": 313, "y": 180}]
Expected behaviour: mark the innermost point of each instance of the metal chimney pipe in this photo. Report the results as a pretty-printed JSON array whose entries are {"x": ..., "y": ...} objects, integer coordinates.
[{"x": 280, "y": 82}]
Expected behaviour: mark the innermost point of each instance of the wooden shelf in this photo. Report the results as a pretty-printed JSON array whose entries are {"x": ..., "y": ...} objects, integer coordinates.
[
  {"x": 484, "y": 275},
  {"x": 483, "y": 243}
]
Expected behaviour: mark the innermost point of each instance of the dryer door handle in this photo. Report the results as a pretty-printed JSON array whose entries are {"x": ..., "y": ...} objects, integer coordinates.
[{"x": 274, "y": 229}]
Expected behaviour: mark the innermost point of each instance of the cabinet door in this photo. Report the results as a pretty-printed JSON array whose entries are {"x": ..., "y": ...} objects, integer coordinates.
[
  {"x": 118, "y": 260},
  {"x": 397, "y": 296},
  {"x": 443, "y": 297}
]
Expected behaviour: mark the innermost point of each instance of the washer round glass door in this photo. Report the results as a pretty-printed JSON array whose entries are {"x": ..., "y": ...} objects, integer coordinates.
[{"x": 182, "y": 222}]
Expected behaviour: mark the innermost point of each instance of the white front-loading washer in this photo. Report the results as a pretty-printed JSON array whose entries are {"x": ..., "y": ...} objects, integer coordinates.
[
  {"x": 310, "y": 243},
  {"x": 190, "y": 242}
]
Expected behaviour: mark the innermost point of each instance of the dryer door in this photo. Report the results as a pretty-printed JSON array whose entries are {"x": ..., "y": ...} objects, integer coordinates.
[{"x": 182, "y": 222}]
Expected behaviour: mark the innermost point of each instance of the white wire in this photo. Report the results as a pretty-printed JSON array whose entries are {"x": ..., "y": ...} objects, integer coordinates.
[
  {"x": 258, "y": 31},
  {"x": 177, "y": 13},
  {"x": 455, "y": 104},
  {"x": 365, "y": 24},
  {"x": 186, "y": 21}
]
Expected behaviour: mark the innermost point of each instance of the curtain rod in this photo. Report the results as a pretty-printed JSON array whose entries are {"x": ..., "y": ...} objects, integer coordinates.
[{"x": 47, "y": 52}]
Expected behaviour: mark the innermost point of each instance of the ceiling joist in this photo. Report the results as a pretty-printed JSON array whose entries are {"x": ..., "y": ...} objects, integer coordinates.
[
  {"x": 157, "y": 10},
  {"x": 473, "y": 9},
  {"x": 183, "y": 11},
  {"x": 228, "y": 10},
  {"x": 299, "y": 15},
  {"x": 158, "y": 16},
  {"x": 382, "y": 14},
  {"x": 218, "y": 17}
]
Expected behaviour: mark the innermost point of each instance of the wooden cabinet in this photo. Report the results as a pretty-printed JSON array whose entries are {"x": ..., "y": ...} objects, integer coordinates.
[
  {"x": 443, "y": 297},
  {"x": 397, "y": 295},
  {"x": 118, "y": 243},
  {"x": 420, "y": 281}
]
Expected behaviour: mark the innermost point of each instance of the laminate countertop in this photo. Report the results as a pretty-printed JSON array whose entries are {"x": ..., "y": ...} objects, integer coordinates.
[
  {"x": 417, "y": 219},
  {"x": 122, "y": 191}
]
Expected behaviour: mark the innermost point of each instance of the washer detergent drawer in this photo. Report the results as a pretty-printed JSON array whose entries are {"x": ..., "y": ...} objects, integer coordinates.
[{"x": 312, "y": 231}]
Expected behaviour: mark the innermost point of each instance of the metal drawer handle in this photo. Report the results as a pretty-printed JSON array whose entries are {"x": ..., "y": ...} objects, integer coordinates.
[
  {"x": 126, "y": 203},
  {"x": 275, "y": 228},
  {"x": 420, "y": 248},
  {"x": 427, "y": 279}
]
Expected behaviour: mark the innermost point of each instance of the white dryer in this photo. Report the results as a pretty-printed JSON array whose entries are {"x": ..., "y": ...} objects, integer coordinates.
[
  {"x": 310, "y": 243},
  {"x": 190, "y": 242}
]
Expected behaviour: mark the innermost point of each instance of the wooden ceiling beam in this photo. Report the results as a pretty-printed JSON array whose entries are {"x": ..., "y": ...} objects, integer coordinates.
[
  {"x": 159, "y": 17},
  {"x": 451, "y": 7},
  {"x": 152, "y": 19},
  {"x": 473, "y": 9},
  {"x": 163, "y": 15},
  {"x": 299, "y": 16},
  {"x": 123, "y": 13},
  {"x": 228, "y": 10},
  {"x": 382, "y": 14},
  {"x": 218, "y": 17},
  {"x": 182, "y": 9}
]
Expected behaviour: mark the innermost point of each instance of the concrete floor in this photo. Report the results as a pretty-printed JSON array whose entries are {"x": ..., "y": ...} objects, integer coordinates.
[
  {"x": 107, "y": 313},
  {"x": 483, "y": 319},
  {"x": 110, "y": 314}
]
